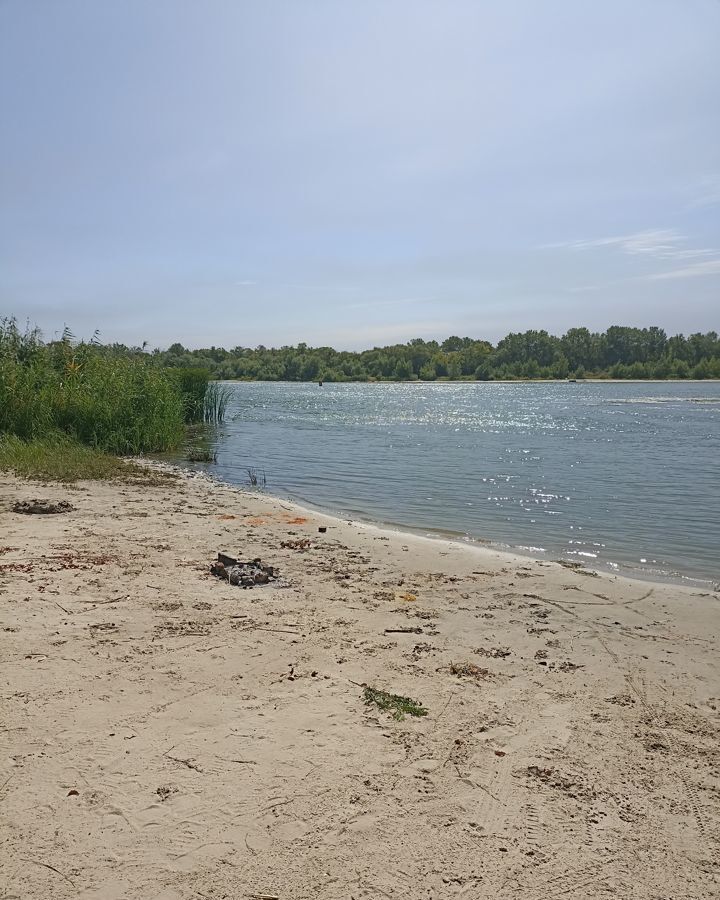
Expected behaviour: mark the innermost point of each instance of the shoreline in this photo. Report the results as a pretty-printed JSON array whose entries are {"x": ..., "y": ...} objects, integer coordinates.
[
  {"x": 609, "y": 570},
  {"x": 493, "y": 381},
  {"x": 167, "y": 733}
]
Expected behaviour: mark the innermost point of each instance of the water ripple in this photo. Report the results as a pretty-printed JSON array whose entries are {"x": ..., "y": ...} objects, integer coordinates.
[{"x": 617, "y": 474}]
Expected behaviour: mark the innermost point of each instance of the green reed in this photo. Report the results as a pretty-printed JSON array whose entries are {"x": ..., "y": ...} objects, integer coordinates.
[
  {"x": 119, "y": 404},
  {"x": 193, "y": 387},
  {"x": 215, "y": 402}
]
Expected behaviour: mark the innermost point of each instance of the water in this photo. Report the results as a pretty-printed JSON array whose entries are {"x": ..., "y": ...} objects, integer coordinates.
[{"x": 625, "y": 476}]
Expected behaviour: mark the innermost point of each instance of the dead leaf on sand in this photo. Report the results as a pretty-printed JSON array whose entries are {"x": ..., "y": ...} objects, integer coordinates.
[{"x": 469, "y": 670}]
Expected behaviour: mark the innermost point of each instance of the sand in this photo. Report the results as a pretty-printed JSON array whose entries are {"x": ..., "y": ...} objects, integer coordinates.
[{"x": 167, "y": 735}]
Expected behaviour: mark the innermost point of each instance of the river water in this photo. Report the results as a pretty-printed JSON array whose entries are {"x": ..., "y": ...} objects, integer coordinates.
[{"x": 623, "y": 476}]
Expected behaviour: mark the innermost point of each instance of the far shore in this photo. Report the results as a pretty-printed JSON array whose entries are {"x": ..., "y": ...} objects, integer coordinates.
[
  {"x": 391, "y": 716},
  {"x": 493, "y": 381}
]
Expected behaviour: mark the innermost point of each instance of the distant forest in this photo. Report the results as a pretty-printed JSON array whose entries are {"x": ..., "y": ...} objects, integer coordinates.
[{"x": 619, "y": 352}]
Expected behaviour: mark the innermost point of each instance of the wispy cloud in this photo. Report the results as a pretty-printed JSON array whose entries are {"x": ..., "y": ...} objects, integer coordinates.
[
  {"x": 664, "y": 243},
  {"x": 245, "y": 283},
  {"x": 708, "y": 267},
  {"x": 706, "y": 192},
  {"x": 585, "y": 288}
]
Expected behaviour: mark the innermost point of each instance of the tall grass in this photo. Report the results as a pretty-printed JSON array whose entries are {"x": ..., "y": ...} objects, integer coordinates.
[
  {"x": 120, "y": 405},
  {"x": 215, "y": 402},
  {"x": 193, "y": 386}
]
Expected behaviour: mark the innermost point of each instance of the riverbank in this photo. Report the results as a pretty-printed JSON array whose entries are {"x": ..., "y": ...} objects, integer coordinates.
[
  {"x": 167, "y": 733},
  {"x": 588, "y": 380}
]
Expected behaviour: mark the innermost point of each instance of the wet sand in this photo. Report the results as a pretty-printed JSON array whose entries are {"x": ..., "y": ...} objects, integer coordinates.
[{"x": 166, "y": 734}]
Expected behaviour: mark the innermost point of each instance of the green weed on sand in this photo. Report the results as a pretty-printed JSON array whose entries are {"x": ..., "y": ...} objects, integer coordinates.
[{"x": 394, "y": 703}]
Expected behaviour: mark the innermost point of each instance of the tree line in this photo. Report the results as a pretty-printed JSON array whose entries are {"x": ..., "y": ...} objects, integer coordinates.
[{"x": 620, "y": 352}]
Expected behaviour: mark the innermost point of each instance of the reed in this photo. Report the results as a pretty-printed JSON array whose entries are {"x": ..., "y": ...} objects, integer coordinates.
[
  {"x": 193, "y": 387},
  {"x": 256, "y": 477},
  {"x": 121, "y": 405},
  {"x": 124, "y": 403},
  {"x": 215, "y": 402}
]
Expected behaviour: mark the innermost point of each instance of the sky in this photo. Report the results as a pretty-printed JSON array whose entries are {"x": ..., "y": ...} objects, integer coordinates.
[{"x": 358, "y": 173}]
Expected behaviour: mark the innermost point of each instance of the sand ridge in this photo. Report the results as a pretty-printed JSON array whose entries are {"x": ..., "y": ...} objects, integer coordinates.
[{"x": 166, "y": 734}]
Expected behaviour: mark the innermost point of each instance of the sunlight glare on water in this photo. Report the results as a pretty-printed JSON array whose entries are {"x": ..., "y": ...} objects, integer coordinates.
[{"x": 625, "y": 476}]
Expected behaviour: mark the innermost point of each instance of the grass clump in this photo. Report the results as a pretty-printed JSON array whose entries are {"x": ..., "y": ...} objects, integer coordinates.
[
  {"x": 394, "y": 703},
  {"x": 60, "y": 458}
]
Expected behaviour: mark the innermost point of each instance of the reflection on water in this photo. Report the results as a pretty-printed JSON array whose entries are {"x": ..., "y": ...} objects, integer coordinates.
[{"x": 618, "y": 475}]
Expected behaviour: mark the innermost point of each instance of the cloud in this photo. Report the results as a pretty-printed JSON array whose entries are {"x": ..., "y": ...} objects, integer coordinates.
[
  {"x": 708, "y": 267},
  {"x": 662, "y": 243},
  {"x": 584, "y": 288},
  {"x": 245, "y": 283}
]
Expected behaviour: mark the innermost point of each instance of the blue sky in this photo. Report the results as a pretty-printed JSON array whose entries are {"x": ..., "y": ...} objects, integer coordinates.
[{"x": 358, "y": 173}]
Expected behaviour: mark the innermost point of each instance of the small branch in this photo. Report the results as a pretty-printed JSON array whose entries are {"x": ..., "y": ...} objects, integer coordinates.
[
  {"x": 277, "y": 630},
  {"x": 244, "y": 762},
  {"x": 108, "y": 600},
  {"x": 8, "y": 779},
  {"x": 184, "y": 762},
  {"x": 449, "y": 699},
  {"x": 281, "y": 803},
  {"x": 48, "y": 866},
  {"x": 489, "y": 793}
]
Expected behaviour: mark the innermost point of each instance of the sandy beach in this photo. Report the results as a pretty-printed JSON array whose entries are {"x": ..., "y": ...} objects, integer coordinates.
[{"x": 166, "y": 734}]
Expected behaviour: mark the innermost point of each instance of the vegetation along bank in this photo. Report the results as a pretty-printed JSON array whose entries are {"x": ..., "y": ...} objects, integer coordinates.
[
  {"x": 619, "y": 352},
  {"x": 69, "y": 404}
]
